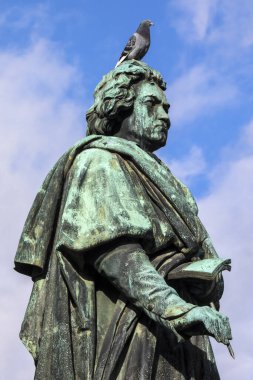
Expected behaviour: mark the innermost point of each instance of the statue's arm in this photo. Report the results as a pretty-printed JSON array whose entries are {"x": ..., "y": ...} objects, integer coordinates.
[{"x": 128, "y": 268}]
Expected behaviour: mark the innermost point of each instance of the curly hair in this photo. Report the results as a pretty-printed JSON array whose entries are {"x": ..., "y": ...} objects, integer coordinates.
[{"x": 114, "y": 96}]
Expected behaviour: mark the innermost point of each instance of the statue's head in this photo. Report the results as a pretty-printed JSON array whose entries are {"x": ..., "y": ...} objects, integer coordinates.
[{"x": 130, "y": 103}]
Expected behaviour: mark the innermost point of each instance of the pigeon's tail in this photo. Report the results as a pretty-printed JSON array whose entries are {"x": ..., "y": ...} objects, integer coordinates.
[{"x": 120, "y": 60}]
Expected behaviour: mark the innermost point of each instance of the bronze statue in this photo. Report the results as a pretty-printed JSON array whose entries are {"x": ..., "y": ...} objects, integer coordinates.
[{"x": 106, "y": 232}]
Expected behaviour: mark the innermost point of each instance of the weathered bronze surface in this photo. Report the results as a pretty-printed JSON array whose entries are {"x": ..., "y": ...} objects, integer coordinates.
[{"x": 107, "y": 226}]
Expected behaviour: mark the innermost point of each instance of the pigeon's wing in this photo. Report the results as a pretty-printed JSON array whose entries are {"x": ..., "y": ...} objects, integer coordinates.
[{"x": 128, "y": 48}]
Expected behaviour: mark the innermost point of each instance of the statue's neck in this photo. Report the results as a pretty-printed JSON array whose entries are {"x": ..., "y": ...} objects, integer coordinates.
[{"x": 141, "y": 142}]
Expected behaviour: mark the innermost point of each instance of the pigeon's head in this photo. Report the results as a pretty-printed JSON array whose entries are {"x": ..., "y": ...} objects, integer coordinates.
[
  {"x": 147, "y": 23},
  {"x": 143, "y": 28}
]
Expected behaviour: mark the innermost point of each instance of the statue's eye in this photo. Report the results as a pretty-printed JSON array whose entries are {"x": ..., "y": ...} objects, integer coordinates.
[{"x": 150, "y": 102}]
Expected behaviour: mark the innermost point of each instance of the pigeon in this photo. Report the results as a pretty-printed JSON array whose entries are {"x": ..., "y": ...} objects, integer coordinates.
[{"x": 138, "y": 44}]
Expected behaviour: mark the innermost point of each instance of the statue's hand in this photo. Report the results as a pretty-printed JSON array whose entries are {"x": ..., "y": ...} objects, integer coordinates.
[{"x": 207, "y": 321}]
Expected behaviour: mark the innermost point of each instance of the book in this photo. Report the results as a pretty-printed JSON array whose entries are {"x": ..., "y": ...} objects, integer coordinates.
[{"x": 206, "y": 269}]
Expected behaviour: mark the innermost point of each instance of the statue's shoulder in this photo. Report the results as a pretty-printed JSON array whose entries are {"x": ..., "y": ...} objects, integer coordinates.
[
  {"x": 95, "y": 156},
  {"x": 101, "y": 149},
  {"x": 96, "y": 160}
]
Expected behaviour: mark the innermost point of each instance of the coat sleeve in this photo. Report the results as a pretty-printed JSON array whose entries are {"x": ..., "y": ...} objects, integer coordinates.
[
  {"x": 101, "y": 204},
  {"x": 129, "y": 269}
]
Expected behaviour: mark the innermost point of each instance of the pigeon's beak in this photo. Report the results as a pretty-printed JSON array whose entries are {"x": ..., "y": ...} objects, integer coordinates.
[{"x": 152, "y": 24}]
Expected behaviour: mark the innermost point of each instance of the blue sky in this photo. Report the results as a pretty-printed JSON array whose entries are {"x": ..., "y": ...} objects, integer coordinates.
[
  {"x": 52, "y": 55},
  {"x": 201, "y": 49}
]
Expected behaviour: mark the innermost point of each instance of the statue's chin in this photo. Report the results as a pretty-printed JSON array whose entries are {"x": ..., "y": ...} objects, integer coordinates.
[
  {"x": 156, "y": 144},
  {"x": 161, "y": 139}
]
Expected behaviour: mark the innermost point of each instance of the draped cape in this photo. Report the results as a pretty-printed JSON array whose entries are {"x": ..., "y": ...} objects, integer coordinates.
[{"x": 87, "y": 200}]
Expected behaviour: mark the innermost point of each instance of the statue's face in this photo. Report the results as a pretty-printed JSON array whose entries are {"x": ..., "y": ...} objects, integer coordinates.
[{"x": 149, "y": 122}]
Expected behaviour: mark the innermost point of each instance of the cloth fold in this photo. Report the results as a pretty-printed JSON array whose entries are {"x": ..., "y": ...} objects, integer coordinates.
[
  {"x": 101, "y": 190},
  {"x": 37, "y": 238}
]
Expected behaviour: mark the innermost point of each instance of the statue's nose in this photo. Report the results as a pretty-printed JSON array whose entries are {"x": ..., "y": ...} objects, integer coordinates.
[{"x": 163, "y": 115}]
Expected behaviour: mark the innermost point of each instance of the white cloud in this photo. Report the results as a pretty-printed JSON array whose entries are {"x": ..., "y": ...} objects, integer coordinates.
[
  {"x": 220, "y": 34},
  {"x": 192, "y": 165},
  {"x": 41, "y": 115},
  {"x": 236, "y": 27},
  {"x": 227, "y": 22},
  {"x": 227, "y": 213},
  {"x": 198, "y": 91},
  {"x": 197, "y": 16}
]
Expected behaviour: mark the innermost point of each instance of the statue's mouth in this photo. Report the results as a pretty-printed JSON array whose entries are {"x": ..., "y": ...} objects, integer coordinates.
[{"x": 163, "y": 126}]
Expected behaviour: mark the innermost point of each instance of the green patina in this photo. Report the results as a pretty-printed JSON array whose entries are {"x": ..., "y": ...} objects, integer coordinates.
[{"x": 108, "y": 225}]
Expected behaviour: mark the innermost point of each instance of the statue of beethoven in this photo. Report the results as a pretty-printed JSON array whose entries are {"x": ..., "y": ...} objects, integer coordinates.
[{"x": 107, "y": 227}]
